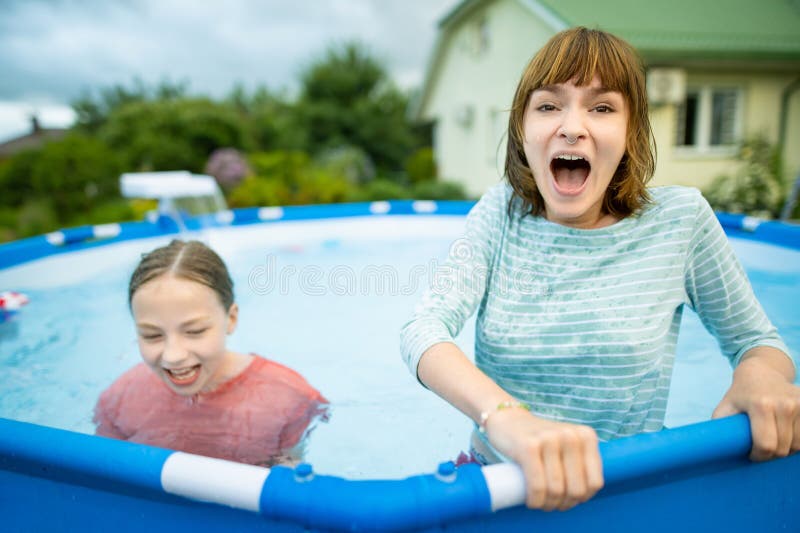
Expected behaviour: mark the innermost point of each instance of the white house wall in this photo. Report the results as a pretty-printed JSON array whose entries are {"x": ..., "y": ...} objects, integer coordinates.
[{"x": 473, "y": 154}]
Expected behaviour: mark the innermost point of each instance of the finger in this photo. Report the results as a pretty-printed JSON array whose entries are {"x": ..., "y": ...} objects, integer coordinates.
[
  {"x": 784, "y": 418},
  {"x": 724, "y": 409},
  {"x": 763, "y": 428},
  {"x": 796, "y": 434},
  {"x": 535, "y": 479},
  {"x": 593, "y": 465},
  {"x": 574, "y": 474},
  {"x": 554, "y": 475}
]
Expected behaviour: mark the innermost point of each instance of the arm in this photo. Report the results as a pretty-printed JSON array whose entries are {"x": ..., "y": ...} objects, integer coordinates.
[
  {"x": 561, "y": 462},
  {"x": 763, "y": 388},
  {"x": 718, "y": 289}
]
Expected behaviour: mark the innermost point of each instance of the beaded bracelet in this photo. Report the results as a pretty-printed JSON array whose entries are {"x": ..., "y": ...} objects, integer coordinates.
[{"x": 508, "y": 404}]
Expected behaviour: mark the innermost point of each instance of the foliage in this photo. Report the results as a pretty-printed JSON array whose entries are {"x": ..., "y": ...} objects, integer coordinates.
[
  {"x": 380, "y": 189},
  {"x": 757, "y": 187},
  {"x": 289, "y": 178},
  {"x": 172, "y": 134},
  {"x": 438, "y": 190},
  {"x": 36, "y": 216},
  {"x": 348, "y": 99},
  {"x": 228, "y": 166},
  {"x": 93, "y": 110},
  {"x": 421, "y": 165},
  {"x": 115, "y": 210},
  {"x": 15, "y": 178},
  {"x": 75, "y": 174},
  {"x": 351, "y": 162},
  {"x": 346, "y": 125},
  {"x": 272, "y": 122}
]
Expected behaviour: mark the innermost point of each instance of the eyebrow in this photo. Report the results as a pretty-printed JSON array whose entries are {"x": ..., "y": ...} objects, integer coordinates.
[
  {"x": 191, "y": 322},
  {"x": 559, "y": 90}
]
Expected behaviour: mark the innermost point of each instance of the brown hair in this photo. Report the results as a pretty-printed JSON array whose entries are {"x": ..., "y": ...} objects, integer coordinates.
[
  {"x": 190, "y": 260},
  {"x": 580, "y": 54}
]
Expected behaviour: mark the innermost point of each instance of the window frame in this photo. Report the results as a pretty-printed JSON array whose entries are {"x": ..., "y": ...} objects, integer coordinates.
[{"x": 705, "y": 93}]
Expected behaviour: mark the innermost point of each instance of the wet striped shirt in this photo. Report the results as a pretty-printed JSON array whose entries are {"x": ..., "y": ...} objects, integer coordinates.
[{"x": 583, "y": 324}]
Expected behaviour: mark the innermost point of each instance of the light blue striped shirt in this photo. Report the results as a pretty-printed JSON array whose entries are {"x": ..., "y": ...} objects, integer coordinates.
[{"x": 582, "y": 324}]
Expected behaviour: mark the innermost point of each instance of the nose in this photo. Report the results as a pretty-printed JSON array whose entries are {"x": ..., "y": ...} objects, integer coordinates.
[
  {"x": 174, "y": 354},
  {"x": 573, "y": 126}
]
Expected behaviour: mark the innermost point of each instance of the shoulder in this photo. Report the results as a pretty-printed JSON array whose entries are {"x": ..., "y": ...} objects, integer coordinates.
[
  {"x": 495, "y": 199},
  {"x": 114, "y": 397},
  {"x": 676, "y": 196},
  {"x": 675, "y": 202},
  {"x": 133, "y": 375},
  {"x": 269, "y": 371}
]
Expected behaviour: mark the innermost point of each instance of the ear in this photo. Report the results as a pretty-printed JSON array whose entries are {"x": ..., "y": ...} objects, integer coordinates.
[{"x": 233, "y": 318}]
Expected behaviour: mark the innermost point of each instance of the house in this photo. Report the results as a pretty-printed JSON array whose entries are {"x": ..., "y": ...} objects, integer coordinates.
[
  {"x": 35, "y": 139},
  {"x": 719, "y": 72}
]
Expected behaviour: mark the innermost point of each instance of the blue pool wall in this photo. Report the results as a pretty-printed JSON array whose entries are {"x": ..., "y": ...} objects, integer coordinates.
[
  {"x": 694, "y": 478},
  {"x": 83, "y": 237}
]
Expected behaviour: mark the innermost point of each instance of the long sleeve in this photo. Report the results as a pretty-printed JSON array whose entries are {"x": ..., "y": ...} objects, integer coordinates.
[
  {"x": 458, "y": 286},
  {"x": 717, "y": 289}
]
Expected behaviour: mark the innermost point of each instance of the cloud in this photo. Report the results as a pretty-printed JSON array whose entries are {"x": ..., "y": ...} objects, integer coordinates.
[{"x": 54, "y": 50}]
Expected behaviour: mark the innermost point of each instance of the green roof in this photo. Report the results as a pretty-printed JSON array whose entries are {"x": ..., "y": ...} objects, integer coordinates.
[{"x": 710, "y": 28}]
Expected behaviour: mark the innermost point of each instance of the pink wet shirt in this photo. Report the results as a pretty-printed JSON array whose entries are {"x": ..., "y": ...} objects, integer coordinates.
[{"x": 251, "y": 418}]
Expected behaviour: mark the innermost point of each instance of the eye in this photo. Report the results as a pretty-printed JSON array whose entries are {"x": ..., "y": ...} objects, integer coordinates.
[
  {"x": 150, "y": 336},
  {"x": 196, "y": 332},
  {"x": 545, "y": 107},
  {"x": 604, "y": 108}
]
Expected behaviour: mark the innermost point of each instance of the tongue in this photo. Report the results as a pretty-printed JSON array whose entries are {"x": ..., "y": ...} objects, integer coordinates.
[{"x": 571, "y": 180}]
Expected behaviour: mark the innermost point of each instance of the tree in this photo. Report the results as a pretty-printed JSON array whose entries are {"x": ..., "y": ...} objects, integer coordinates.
[
  {"x": 348, "y": 99},
  {"x": 75, "y": 175},
  {"x": 93, "y": 111},
  {"x": 172, "y": 134}
]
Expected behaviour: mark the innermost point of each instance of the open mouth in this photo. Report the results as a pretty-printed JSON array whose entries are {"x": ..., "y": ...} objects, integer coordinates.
[
  {"x": 570, "y": 173},
  {"x": 183, "y": 376}
]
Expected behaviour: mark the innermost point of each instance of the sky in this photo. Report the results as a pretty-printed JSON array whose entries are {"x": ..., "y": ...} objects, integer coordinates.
[{"x": 54, "y": 51}]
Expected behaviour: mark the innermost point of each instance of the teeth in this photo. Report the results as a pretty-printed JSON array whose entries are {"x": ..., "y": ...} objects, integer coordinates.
[
  {"x": 569, "y": 157},
  {"x": 181, "y": 373}
]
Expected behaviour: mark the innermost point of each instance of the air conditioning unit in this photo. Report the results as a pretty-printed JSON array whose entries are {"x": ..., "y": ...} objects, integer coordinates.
[{"x": 666, "y": 85}]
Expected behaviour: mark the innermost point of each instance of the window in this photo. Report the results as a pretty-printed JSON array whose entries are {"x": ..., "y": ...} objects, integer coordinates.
[{"x": 709, "y": 118}]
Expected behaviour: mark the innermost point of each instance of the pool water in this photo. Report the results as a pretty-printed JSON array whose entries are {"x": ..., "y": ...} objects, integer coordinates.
[{"x": 327, "y": 299}]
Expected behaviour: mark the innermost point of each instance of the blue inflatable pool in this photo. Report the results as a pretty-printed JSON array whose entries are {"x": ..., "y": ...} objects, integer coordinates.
[{"x": 691, "y": 478}]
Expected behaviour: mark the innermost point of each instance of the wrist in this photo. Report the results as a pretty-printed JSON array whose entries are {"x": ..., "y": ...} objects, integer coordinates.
[{"x": 502, "y": 406}]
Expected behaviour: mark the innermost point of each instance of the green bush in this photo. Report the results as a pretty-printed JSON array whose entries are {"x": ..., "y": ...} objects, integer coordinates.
[
  {"x": 35, "y": 217},
  {"x": 286, "y": 166},
  {"x": 757, "y": 188},
  {"x": 8, "y": 224},
  {"x": 379, "y": 189},
  {"x": 438, "y": 190},
  {"x": 421, "y": 166},
  {"x": 116, "y": 210},
  {"x": 76, "y": 174},
  {"x": 350, "y": 162},
  {"x": 255, "y": 191},
  {"x": 172, "y": 134},
  {"x": 15, "y": 178}
]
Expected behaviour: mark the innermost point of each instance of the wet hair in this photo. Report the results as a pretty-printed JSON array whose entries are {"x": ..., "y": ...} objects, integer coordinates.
[
  {"x": 579, "y": 54},
  {"x": 191, "y": 260}
]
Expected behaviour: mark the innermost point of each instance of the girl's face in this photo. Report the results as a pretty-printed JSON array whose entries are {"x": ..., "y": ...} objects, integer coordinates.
[
  {"x": 574, "y": 141},
  {"x": 181, "y": 328}
]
